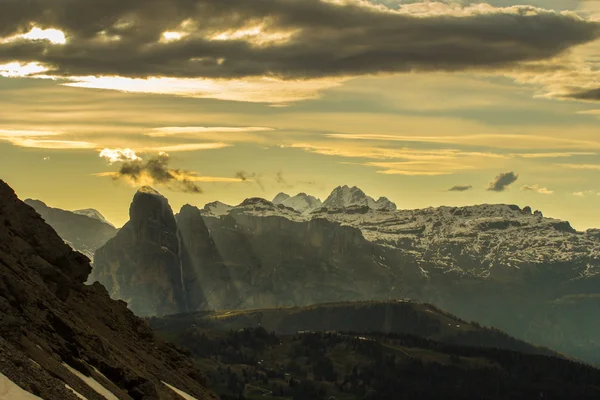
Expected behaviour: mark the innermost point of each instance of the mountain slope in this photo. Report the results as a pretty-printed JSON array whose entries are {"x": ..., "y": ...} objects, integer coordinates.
[
  {"x": 84, "y": 231},
  {"x": 55, "y": 331},
  {"x": 388, "y": 317},
  {"x": 370, "y": 350}
]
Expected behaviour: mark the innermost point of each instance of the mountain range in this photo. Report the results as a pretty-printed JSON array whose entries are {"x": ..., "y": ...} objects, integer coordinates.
[
  {"x": 500, "y": 265},
  {"x": 237, "y": 289}
]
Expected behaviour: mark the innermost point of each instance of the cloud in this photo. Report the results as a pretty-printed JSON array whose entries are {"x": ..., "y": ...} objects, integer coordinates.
[
  {"x": 200, "y": 130},
  {"x": 156, "y": 171},
  {"x": 536, "y": 188},
  {"x": 460, "y": 188},
  {"x": 289, "y": 39},
  {"x": 502, "y": 181},
  {"x": 585, "y": 94},
  {"x": 119, "y": 155},
  {"x": 247, "y": 177},
  {"x": 187, "y": 147},
  {"x": 591, "y": 167},
  {"x": 584, "y": 193},
  {"x": 37, "y": 139},
  {"x": 499, "y": 140}
]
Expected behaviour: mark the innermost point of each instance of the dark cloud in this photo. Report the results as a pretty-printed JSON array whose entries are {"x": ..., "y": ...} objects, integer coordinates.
[
  {"x": 588, "y": 94},
  {"x": 245, "y": 176},
  {"x": 328, "y": 39},
  {"x": 156, "y": 171},
  {"x": 502, "y": 181},
  {"x": 460, "y": 188}
]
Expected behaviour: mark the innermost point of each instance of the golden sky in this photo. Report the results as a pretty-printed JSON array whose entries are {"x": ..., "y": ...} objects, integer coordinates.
[{"x": 405, "y": 99}]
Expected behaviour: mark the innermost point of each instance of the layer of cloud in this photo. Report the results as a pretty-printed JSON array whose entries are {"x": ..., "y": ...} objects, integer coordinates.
[
  {"x": 39, "y": 140},
  {"x": 536, "y": 188},
  {"x": 291, "y": 39},
  {"x": 591, "y": 167},
  {"x": 460, "y": 188},
  {"x": 502, "y": 181},
  {"x": 201, "y": 130}
]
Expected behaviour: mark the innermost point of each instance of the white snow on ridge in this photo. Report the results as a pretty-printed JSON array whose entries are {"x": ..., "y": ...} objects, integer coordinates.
[
  {"x": 280, "y": 198},
  {"x": 217, "y": 208},
  {"x": 92, "y": 383},
  {"x": 11, "y": 391},
  {"x": 302, "y": 203},
  {"x": 94, "y": 214},
  {"x": 179, "y": 392}
]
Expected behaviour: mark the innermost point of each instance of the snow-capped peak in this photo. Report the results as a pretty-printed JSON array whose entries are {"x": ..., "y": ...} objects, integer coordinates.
[
  {"x": 95, "y": 214},
  {"x": 280, "y": 198},
  {"x": 344, "y": 197},
  {"x": 302, "y": 203},
  {"x": 217, "y": 208}
]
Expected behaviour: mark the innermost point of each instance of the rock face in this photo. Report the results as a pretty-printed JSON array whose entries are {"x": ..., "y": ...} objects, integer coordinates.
[
  {"x": 84, "y": 230},
  {"x": 55, "y": 330},
  {"x": 206, "y": 279},
  {"x": 142, "y": 263}
]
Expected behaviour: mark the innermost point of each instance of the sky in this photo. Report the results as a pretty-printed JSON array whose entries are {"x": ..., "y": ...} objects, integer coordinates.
[{"x": 427, "y": 103}]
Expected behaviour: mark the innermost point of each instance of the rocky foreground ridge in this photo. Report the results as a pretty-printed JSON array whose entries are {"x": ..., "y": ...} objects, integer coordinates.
[{"x": 63, "y": 340}]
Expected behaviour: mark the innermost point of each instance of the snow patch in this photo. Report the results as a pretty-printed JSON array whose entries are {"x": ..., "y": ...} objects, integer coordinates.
[
  {"x": 92, "y": 383},
  {"x": 217, "y": 208},
  {"x": 94, "y": 214},
  {"x": 75, "y": 391},
  {"x": 11, "y": 391},
  {"x": 179, "y": 392}
]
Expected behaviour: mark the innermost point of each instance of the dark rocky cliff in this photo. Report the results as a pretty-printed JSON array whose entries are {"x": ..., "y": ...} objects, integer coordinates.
[
  {"x": 51, "y": 324},
  {"x": 141, "y": 264}
]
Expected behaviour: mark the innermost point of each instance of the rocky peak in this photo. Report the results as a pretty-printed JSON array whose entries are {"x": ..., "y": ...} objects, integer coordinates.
[
  {"x": 280, "y": 198},
  {"x": 142, "y": 263},
  {"x": 216, "y": 208},
  {"x": 148, "y": 205},
  {"x": 302, "y": 203},
  {"x": 94, "y": 214},
  {"x": 345, "y": 197}
]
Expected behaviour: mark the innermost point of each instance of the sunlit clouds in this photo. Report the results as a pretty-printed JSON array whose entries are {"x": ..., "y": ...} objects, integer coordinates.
[
  {"x": 253, "y": 90},
  {"x": 20, "y": 70},
  {"x": 199, "y": 130},
  {"x": 53, "y": 36},
  {"x": 119, "y": 155},
  {"x": 536, "y": 189},
  {"x": 42, "y": 140}
]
